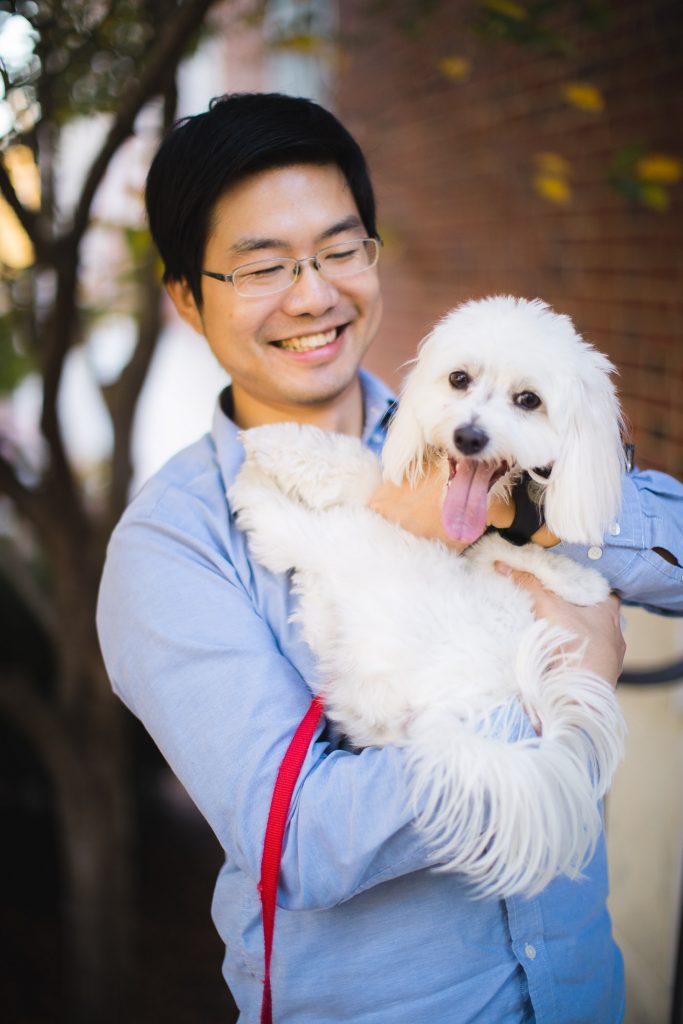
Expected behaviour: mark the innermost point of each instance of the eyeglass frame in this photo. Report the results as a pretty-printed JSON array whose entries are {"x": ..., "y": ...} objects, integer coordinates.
[{"x": 228, "y": 278}]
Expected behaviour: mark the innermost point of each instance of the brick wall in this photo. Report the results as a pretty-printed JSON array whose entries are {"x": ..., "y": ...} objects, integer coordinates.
[{"x": 454, "y": 165}]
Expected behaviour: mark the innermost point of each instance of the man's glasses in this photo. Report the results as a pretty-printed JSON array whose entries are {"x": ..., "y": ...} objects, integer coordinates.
[{"x": 266, "y": 277}]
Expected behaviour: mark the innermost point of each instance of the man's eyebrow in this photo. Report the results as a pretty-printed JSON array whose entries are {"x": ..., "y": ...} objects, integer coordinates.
[
  {"x": 248, "y": 243},
  {"x": 251, "y": 244},
  {"x": 345, "y": 224}
]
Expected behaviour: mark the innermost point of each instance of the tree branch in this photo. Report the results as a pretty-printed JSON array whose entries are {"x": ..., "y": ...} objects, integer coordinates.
[
  {"x": 18, "y": 574},
  {"x": 31, "y": 503},
  {"x": 122, "y": 396},
  {"x": 160, "y": 64},
  {"x": 26, "y": 500},
  {"x": 59, "y": 332},
  {"x": 36, "y": 720},
  {"x": 161, "y": 60}
]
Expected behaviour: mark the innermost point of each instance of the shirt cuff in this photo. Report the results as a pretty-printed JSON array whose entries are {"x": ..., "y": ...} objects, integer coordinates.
[{"x": 651, "y": 516}]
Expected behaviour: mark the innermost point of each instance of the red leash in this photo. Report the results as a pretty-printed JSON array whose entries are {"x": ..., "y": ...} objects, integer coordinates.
[{"x": 287, "y": 775}]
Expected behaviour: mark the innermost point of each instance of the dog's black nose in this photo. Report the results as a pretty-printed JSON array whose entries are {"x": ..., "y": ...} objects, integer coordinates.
[{"x": 470, "y": 440}]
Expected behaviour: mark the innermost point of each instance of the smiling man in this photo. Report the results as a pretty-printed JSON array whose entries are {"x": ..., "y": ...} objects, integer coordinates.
[
  {"x": 264, "y": 216},
  {"x": 291, "y": 352}
]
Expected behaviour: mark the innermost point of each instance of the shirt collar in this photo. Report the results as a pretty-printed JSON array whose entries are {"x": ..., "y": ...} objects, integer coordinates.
[{"x": 378, "y": 406}]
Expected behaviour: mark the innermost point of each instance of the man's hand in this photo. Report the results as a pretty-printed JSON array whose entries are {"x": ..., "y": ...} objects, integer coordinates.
[
  {"x": 418, "y": 509},
  {"x": 599, "y": 625}
]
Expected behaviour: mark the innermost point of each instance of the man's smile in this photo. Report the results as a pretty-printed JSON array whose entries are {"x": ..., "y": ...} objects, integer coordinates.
[{"x": 307, "y": 342}]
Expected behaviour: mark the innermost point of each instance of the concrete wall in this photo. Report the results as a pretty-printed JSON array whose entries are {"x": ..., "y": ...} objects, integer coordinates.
[{"x": 645, "y": 824}]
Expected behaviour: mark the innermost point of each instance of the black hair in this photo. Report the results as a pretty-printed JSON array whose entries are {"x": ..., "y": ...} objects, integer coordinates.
[{"x": 239, "y": 135}]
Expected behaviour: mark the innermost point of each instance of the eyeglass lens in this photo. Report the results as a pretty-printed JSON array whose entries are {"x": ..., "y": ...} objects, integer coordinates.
[{"x": 263, "y": 277}]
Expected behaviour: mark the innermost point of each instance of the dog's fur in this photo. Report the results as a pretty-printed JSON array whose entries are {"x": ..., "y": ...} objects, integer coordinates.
[{"x": 438, "y": 653}]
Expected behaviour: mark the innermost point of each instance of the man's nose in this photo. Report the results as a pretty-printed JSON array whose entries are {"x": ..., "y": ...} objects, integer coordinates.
[{"x": 311, "y": 292}]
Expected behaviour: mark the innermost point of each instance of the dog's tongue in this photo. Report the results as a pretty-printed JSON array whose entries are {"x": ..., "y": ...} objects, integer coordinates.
[{"x": 464, "y": 509}]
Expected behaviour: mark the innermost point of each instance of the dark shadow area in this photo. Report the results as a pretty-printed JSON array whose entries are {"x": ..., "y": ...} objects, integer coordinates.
[{"x": 177, "y": 951}]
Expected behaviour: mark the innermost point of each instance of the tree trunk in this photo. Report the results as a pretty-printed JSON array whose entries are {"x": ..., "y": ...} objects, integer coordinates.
[
  {"x": 94, "y": 822},
  {"x": 86, "y": 760},
  {"x": 92, "y": 793},
  {"x": 75, "y": 723}
]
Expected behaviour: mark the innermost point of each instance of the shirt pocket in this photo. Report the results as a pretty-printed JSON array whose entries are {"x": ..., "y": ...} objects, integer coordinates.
[
  {"x": 659, "y": 567},
  {"x": 656, "y": 585}
]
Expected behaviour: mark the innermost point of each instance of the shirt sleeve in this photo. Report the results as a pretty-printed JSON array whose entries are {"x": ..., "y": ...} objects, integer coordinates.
[
  {"x": 189, "y": 654},
  {"x": 634, "y": 553}
]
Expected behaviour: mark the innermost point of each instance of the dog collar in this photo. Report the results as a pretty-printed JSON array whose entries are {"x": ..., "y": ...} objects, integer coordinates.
[{"x": 528, "y": 513}]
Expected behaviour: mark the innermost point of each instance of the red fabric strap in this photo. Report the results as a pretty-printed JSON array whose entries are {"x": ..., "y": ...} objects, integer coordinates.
[{"x": 287, "y": 775}]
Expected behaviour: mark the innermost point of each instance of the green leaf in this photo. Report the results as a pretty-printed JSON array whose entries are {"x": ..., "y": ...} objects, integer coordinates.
[{"x": 14, "y": 364}]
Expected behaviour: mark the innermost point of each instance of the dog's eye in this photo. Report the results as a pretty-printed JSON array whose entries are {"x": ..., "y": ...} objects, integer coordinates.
[
  {"x": 459, "y": 379},
  {"x": 527, "y": 400}
]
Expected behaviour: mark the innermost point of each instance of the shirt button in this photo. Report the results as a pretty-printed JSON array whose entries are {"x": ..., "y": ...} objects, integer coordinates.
[
  {"x": 594, "y": 553},
  {"x": 614, "y": 529},
  {"x": 530, "y": 951}
]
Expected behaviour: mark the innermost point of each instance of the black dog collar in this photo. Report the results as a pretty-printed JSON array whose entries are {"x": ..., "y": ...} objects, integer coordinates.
[
  {"x": 529, "y": 515},
  {"x": 528, "y": 512}
]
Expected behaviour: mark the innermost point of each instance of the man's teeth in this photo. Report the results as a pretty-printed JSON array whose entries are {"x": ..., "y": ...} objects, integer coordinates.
[{"x": 308, "y": 341}]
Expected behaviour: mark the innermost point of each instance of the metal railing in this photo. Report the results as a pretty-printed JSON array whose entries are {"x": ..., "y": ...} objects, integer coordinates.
[{"x": 671, "y": 673}]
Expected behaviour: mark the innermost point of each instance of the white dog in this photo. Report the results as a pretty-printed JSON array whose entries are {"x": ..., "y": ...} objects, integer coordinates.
[{"x": 434, "y": 651}]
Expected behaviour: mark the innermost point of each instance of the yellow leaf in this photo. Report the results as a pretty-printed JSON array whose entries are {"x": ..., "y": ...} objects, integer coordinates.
[
  {"x": 303, "y": 42},
  {"x": 552, "y": 164},
  {"x": 555, "y": 190},
  {"x": 659, "y": 169},
  {"x": 24, "y": 175},
  {"x": 16, "y": 248},
  {"x": 506, "y": 7},
  {"x": 455, "y": 68},
  {"x": 655, "y": 196},
  {"x": 584, "y": 96}
]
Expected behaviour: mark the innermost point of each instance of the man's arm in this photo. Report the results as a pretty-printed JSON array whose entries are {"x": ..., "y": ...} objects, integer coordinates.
[
  {"x": 642, "y": 552},
  {"x": 189, "y": 654}
]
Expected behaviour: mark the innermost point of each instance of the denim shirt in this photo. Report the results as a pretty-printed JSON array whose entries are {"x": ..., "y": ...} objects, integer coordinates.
[{"x": 199, "y": 645}]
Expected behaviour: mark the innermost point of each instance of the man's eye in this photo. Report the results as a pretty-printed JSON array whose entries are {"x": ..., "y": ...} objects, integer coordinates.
[
  {"x": 527, "y": 400},
  {"x": 269, "y": 271},
  {"x": 459, "y": 380},
  {"x": 345, "y": 254}
]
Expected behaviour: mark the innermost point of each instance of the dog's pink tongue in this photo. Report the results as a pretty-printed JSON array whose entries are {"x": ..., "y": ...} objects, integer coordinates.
[{"x": 464, "y": 508}]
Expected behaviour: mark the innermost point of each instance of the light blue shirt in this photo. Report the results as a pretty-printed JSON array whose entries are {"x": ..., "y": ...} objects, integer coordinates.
[{"x": 198, "y": 644}]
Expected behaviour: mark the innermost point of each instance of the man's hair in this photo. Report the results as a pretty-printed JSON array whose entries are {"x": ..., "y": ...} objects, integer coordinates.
[{"x": 239, "y": 135}]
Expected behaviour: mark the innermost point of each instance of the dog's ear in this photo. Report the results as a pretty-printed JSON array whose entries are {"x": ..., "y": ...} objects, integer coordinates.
[
  {"x": 404, "y": 450},
  {"x": 583, "y": 493}
]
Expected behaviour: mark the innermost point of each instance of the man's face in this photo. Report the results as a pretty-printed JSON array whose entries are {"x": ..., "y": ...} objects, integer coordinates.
[{"x": 291, "y": 211}]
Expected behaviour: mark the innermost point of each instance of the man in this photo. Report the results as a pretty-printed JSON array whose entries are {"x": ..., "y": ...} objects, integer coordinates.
[{"x": 256, "y": 207}]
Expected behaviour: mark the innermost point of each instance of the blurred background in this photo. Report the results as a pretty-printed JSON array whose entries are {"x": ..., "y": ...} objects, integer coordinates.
[{"x": 531, "y": 148}]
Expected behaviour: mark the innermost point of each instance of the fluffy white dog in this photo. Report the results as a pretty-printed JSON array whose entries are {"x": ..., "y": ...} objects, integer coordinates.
[{"x": 509, "y": 742}]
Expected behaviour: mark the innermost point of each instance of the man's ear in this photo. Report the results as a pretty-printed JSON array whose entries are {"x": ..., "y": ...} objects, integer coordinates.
[{"x": 184, "y": 301}]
